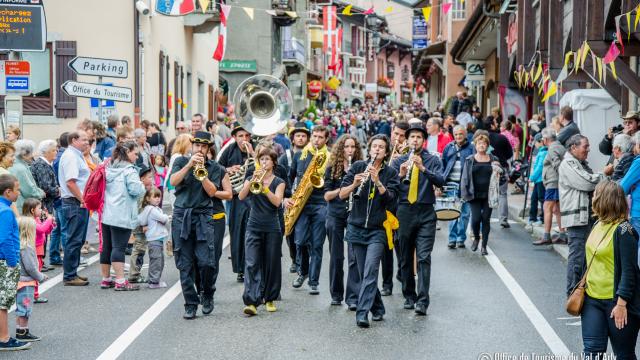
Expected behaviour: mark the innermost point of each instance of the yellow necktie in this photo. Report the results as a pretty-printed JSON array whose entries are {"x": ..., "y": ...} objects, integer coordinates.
[{"x": 413, "y": 185}]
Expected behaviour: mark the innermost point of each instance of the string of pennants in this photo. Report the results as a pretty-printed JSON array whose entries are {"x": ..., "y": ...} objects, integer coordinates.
[
  {"x": 426, "y": 11},
  {"x": 537, "y": 75}
]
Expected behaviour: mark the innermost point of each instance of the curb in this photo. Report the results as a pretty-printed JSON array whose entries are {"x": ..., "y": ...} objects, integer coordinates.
[{"x": 538, "y": 231}]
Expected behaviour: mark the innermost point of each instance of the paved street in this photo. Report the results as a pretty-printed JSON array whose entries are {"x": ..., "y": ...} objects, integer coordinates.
[{"x": 472, "y": 312}]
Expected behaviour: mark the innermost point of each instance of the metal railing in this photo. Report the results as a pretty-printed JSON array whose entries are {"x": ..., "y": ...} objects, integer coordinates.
[{"x": 293, "y": 49}]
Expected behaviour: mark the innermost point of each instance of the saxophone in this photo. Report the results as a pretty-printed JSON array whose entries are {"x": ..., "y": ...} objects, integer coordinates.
[{"x": 310, "y": 180}]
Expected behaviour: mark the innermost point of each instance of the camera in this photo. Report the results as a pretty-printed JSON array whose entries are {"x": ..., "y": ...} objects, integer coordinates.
[{"x": 618, "y": 128}]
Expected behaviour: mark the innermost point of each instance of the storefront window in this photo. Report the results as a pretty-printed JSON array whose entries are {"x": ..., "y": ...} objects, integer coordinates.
[{"x": 39, "y": 101}]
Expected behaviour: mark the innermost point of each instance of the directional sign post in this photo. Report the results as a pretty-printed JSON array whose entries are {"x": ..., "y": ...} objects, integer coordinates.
[
  {"x": 97, "y": 91},
  {"x": 98, "y": 67}
]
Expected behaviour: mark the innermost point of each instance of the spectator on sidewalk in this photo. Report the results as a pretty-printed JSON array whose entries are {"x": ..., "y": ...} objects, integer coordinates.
[
  {"x": 144, "y": 156},
  {"x": 181, "y": 128},
  {"x": 9, "y": 258},
  {"x": 7, "y": 157},
  {"x": 622, "y": 155},
  {"x": 104, "y": 143},
  {"x": 576, "y": 184},
  {"x": 537, "y": 194},
  {"x": 222, "y": 128},
  {"x": 611, "y": 310},
  {"x": 112, "y": 124},
  {"x": 551, "y": 206},
  {"x": 569, "y": 128},
  {"x": 504, "y": 152},
  {"x": 436, "y": 139},
  {"x": 58, "y": 238},
  {"x": 453, "y": 161},
  {"x": 25, "y": 150},
  {"x": 45, "y": 176},
  {"x": 140, "y": 243},
  {"x": 156, "y": 140},
  {"x": 73, "y": 174},
  {"x": 13, "y": 134},
  {"x": 631, "y": 185},
  {"x": 630, "y": 127}
]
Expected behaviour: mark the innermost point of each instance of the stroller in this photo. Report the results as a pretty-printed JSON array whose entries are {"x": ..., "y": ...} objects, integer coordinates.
[{"x": 517, "y": 172}]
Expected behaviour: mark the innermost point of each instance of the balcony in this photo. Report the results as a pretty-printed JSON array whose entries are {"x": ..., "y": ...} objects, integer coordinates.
[
  {"x": 293, "y": 52},
  {"x": 284, "y": 5},
  {"x": 203, "y": 22},
  {"x": 315, "y": 63}
]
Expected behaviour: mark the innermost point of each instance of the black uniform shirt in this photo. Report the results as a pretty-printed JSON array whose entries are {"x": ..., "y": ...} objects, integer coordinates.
[
  {"x": 190, "y": 192},
  {"x": 232, "y": 156},
  {"x": 264, "y": 215},
  {"x": 298, "y": 168},
  {"x": 337, "y": 207},
  {"x": 431, "y": 176},
  {"x": 218, "y": 205},
  {"x": 379, "y": 205}
]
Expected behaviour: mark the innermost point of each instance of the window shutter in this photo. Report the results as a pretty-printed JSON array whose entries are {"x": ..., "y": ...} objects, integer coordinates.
[
  {"x": 161, "y": 101},
  {"x": 66, "y": 106}
]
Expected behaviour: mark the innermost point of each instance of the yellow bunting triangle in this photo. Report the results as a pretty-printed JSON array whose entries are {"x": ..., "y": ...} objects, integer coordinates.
[
  {"x": 347, "y": 10},
  {"x": 628, "y": 26},
  {"x": 426, "y": 12},
  {"x": 585, "y": 51},
  {"x": 576, "y": 63},
  {"x": 249, "y": 12},
  {"x": 599, "y": 64},
  {"x": 204, "y": 5},
  {"x": 538, "y": 72},
  {"x": 388, "y": 9},
  {"x": 635, "y": 22},
  {"x": 613, "y": 70},
  {"x": 553, "y": 88}
]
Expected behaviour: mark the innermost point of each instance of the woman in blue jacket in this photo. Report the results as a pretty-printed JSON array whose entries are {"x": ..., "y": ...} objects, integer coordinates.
[{"x": 537, "y": 195}]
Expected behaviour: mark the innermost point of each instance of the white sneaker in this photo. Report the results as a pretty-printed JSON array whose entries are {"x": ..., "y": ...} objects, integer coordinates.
[{"x": 529, "y": 226}]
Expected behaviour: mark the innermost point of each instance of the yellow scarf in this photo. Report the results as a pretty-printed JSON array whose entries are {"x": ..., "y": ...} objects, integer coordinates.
[
  {"x": 390, "y": 224},
  {"x": 310, "y": 149}
]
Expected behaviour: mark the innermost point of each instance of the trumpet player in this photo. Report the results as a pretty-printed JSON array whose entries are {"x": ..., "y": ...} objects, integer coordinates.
[
  {"x": 421, "y": 172},
  {"x": 310, "y": 229},
  {"x": 377, "y": 184},
  {"x": 232, "y": 158},
  {"x": 345, "y": 152},
  {"x": 263, "y": 242},
  {"x": 192, "y": 227}
]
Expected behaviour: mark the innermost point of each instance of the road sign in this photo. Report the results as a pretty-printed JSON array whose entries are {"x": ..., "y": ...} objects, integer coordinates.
[
  {"x": 23, "y": 26},
  {"x": 17, "y": 68},
  {"x": 88, "y": 90},
  {"x": 101, "y": 109},
  {"x": 17, "y": 84},
  {"x": 15, "y": 77},
  {"x": 100, "y": 67}
]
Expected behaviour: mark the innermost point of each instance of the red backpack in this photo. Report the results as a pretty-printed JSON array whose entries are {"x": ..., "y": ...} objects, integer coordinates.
[{"x": 93, "y": 196}]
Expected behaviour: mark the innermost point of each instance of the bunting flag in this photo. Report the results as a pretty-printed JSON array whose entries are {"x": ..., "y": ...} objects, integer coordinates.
[
  {"x": 369, "y": 12},
  {"x": 619, "y": 35},
  {"x": 347, "y": 10},
  {"x": 585, "y": 51},
  {"x": 628, "y": 15},
  {"x": 426, "y": 12},
  {"x": 599, "y": 65},
  {"x": 612, "y": 54},
  {"x": 204, "y": 5},
  {"x": 218, "y": 55},
  {"x": 388, "y": 10},
  {"x": 249, "y": 12},
  {"x": 613, "y": 70},
  {"x": 551, "y": 90},
  {"x": 594, "y": 63},
  {"x": 576, "y": 63},
  {"x": 538, "y": 72},
  {"x": 635, "y": 22},
  {"x": 446, "y": 7}
]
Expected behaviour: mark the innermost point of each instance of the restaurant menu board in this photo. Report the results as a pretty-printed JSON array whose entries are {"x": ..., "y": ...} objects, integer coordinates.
[{"x": 23, "y": 25}]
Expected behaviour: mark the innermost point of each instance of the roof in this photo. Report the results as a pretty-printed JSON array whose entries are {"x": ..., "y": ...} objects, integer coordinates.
[
  {"x": 423, "y": 59},
  {"x": 396, "y": 39}
]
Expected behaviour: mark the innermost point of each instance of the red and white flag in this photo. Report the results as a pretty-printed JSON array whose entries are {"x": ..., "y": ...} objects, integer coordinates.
[
  {"x": 222, "y": 35},
  {"x": 330, "y": 38}
]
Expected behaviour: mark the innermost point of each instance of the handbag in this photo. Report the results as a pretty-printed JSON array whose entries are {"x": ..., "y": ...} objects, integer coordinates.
[{"x": 576, "y": 299}]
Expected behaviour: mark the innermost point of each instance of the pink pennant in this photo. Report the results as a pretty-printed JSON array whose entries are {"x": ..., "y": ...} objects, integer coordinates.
[
  {"x": 612, "y": 54},
  {"x": 446, "y": 7},
  {"x": 369, "y": 12}
]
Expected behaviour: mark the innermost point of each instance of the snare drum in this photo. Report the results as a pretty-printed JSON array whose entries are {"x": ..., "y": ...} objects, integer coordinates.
[{"x": 448, "y": 208}]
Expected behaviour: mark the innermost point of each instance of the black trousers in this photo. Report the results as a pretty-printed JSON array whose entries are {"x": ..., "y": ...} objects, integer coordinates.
[
  {"x": 262, "y": 271},
  {"x": 335, "y": 232},
  {"x": 417, "y": 234},
  {"x": 387, "y": 268},
  {"x": 238, "y": 218},
  {"x": 368, "y": 262},
  {"x": 191, "y": 254},
  {"x": 353, "y": 277},
  {"x": 481, "y": 214},
  {"x": 291, "y": 244}
]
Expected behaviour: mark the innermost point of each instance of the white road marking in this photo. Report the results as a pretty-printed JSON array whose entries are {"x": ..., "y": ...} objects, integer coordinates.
[
  {"x": 550, "y": 337},
  {"x": 131, "y": 334},
  {"x": 58, "y": 278}
]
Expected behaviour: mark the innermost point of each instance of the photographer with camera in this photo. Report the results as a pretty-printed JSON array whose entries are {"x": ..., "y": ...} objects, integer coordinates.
[{"x": 629, "y": 126}]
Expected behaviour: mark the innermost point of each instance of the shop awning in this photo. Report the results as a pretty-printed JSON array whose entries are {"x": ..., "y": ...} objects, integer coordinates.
[{"x": 426, "y": 56}]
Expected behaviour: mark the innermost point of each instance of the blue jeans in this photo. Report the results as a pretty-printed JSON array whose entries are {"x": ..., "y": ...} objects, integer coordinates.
[
  {"x": 458, "y": 227},
  {"x": 74, "y": 227},
  {"x": 58, "y": 239},
  {"x": 311, "y": 232},
  {"x": 598, "y": 327}
]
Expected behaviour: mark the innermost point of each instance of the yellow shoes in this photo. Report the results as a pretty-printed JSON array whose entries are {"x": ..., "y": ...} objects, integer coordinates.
[
  {"x": 271, "y": 307},
  {"x": 250, "y": 310}
]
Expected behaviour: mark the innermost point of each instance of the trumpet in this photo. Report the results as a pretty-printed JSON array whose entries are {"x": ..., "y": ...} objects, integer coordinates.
[
  {"x": 350, "y": 195},
  {"x": 199, "y": 171},
  {"x": 255, "y": 185},
  {"x": 407, "y": 178},
  {"x": 357, "y": 195}
]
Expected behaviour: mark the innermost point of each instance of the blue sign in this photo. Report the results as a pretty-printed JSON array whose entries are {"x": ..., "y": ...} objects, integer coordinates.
[
  {"x": 420, "y": 28},
  {"x": 420, "y": 43},
  {"x": 17, "y": 83},
  {"x": 95, "y": 103}
]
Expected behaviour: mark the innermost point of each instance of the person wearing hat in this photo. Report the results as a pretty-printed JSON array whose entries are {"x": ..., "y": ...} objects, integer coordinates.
[
  {"x": 232, "y": 158},
  {"x": 417, "y": 216},
  {"x": 139, "y": 248},
  {"x": 629, "y": 127},
  {"x": 192, "y": 226},
  {"x": 299, "y": 136}
]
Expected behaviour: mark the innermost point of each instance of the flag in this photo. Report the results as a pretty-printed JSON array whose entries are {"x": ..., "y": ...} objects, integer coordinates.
[
  {"x": 175, "y": 7},
  {"x": 538, "y": 72},
  {"x": 585, "y": 51},
  {"x": 369, "y": 12},
  {"x": 388, "y": 10},
  {"x": 551, "y": 90},
  {"x": 426, "y": 12},
  {"x": 628, "y": 26},
  {"x": 204, "y": 5},
  {"x": 612, "y": 54},
  {"x": 222, "y": 34},
  {"x": 613, "y": 70},
  {"x": 599, "y": 64},
  {"x": 249, "y": 12},
  {"x": 330, "y": 36},
  {"x": 446, "y": 7},
  {"x": 347, "y": 10},
  {"x": 635, "y": 22}
]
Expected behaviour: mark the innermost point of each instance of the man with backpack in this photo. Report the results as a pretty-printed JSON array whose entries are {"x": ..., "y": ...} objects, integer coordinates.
[{"x": 73, "y": 174}]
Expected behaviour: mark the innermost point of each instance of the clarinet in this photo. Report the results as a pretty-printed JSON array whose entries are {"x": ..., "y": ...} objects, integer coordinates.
[
  {"x": 350, "y": 195},
  {"x": 407, "y": 178},
  {"x": 366, "y": 179}
]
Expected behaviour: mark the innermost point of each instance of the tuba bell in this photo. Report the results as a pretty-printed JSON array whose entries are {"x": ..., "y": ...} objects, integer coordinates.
[{"x": 263, "y": 105}]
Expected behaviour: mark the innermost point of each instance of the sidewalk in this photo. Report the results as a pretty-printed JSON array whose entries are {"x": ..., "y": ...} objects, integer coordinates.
[{"x": 516, "y": 204}]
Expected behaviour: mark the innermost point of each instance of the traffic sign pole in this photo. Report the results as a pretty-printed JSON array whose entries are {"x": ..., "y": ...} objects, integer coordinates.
[{"x": 100, "y": 102}]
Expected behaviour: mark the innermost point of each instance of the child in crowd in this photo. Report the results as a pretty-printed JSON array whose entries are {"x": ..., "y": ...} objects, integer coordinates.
[
  {"x": 537, "y": 195},
  {"x": 140, "y": 243},
  {"x": 156, "y": 233},
  {"x": 160, "y": 173},
  {"x": 33, "y": 208},
  {"x": 30, "y": 275}
]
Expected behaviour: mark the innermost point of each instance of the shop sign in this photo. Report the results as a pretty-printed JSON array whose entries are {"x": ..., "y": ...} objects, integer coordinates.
[
  {"x": 250, "y": 66},
  {"x": 474, "y": 71}
]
